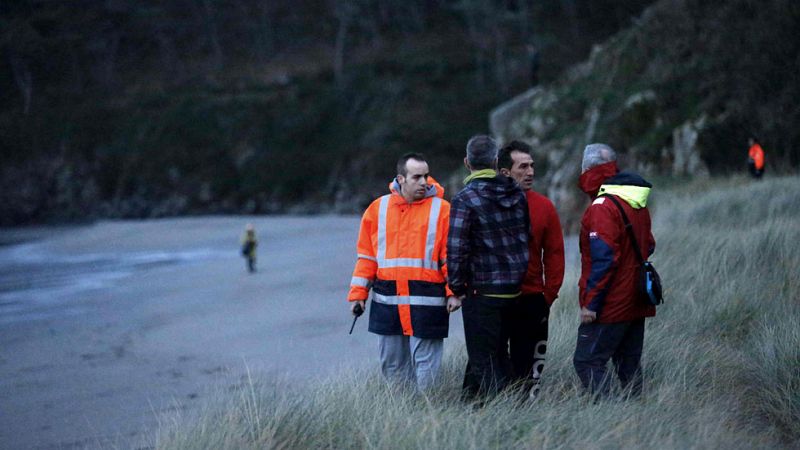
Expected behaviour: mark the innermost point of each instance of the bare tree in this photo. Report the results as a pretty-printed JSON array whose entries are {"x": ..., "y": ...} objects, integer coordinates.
[
  {"x": 490, "y": 26},
  {"x": 170, "y": 61},
  {"x": 108, "y": 60},
  {"x": 265, "y": 33},
  {"x": 571, "y": 12},
  {"x": 22, "y": 78},
  {"x": 344, "y": 11},
  {"x": 207, "y": 14}
]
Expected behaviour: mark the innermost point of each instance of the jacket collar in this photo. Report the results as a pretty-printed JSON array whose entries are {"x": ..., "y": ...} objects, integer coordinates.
[
  {"x": 591, "y": 180},
  {"x": 483, "y": 173},
  {"x": 431, "y": 190},
  {"x": 636, "y": 196},
  {"x": 628, "y": 186}
]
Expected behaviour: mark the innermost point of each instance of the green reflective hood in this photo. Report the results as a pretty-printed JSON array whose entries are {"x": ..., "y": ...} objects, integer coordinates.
[{"x": 628, "y": 186}]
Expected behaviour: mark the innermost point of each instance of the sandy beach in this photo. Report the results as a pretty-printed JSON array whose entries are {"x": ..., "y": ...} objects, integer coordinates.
[{"x": 105, "y": 327}]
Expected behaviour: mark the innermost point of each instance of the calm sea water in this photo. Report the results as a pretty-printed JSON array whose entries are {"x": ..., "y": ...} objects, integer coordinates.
[{"x": 33, "y": 280}]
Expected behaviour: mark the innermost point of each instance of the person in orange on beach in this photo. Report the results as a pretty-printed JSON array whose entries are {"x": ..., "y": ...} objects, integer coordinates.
[{"x": 755, "y": 158}]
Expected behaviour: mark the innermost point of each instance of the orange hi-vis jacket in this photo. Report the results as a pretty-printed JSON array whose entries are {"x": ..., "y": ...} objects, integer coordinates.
[
  {"x": 402, "y": 251},
  {"x": 756, "y": 153}
]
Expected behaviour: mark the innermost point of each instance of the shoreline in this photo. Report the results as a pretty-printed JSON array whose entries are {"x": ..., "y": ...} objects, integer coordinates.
[
  {"x": 98, "y": 366},
  {"x": 101, "y": 365}
]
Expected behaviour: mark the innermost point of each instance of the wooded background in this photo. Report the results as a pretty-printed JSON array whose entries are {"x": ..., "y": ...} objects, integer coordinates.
[{"x": 146, "y": 108}]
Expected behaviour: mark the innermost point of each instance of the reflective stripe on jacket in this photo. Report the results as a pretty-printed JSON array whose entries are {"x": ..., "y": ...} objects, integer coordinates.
[{"x": 401, "y": 251}]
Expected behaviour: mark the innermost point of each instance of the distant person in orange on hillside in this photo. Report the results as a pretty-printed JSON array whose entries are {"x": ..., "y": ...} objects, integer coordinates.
[{"x": 755, "y": 158}]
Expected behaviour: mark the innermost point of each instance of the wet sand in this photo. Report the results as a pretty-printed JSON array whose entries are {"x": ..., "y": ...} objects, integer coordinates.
[
  {"x": 94, "y": 364},
  {"x": 106, "y": 328}
]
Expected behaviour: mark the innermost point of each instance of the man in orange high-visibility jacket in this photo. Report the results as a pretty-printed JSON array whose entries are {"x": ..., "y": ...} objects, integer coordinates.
[
  {"x": 755, "y": 158},
  {"x": 402, "y": 248}
]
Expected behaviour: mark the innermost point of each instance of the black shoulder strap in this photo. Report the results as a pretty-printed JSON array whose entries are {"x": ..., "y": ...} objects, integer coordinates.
[{"x": 628, "y": 226}]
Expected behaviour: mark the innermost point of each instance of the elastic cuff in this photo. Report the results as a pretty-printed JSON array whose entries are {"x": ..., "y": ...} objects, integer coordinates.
[{"x": 458, "y": 292}]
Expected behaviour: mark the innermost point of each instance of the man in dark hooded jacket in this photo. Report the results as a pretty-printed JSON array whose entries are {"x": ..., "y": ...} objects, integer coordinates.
[
  {"x": 487, "y": 258},
  {"x": 612, "y": 314}
]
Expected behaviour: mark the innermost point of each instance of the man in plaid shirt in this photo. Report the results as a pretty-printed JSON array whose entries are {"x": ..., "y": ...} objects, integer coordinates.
[{"x": 487, "y": 258}]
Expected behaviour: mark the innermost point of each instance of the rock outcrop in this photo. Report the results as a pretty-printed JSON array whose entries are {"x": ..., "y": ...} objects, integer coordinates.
[{"x": 667, "y": 110}]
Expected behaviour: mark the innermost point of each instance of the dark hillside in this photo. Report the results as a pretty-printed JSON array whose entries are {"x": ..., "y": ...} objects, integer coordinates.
[
  {"x": 137, "y": 109},
  {"x": 677, "y": 94}
]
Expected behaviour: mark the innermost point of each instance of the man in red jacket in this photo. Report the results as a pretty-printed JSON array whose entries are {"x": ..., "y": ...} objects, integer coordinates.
[
  {"x": 612, "y": 315},
  {"x": 528, "y": 340}
]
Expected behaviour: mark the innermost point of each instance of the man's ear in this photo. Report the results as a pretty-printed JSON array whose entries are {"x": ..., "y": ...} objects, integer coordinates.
[
  {"x": 505, "y": 172},
  {"x": 466, "y": 164}
]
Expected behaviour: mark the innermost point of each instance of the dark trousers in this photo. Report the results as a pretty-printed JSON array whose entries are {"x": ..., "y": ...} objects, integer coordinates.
[
  {"x": 622, "y": 343},
  {"x": 528, "y": 340},
  {"x": 487, "y": 323},
  {"x": 756, "y": 173}
]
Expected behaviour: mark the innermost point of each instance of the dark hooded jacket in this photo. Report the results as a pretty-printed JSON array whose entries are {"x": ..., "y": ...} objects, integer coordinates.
[
  {"x": 487, "y": 246},
  {"x": 609, "y": 265}
]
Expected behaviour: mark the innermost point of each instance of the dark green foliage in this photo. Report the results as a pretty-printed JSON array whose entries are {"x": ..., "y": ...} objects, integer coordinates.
[
  {"x": 735, "y": 62},
  {"x": 226, "y": 106}
]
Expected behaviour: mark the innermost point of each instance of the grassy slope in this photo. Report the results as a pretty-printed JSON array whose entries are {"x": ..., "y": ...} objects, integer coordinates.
[{"x": 721, "y": 357}]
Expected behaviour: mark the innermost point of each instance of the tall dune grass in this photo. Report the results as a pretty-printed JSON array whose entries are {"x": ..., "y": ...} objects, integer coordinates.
[{"x": 722, "y": 357}]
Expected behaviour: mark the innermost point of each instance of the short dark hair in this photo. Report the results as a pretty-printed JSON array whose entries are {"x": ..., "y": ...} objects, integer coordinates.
[
  {"x": 401, "y": 163},
  {"x": 504, "y": 160},
  {"x": 481, "y": 152}
]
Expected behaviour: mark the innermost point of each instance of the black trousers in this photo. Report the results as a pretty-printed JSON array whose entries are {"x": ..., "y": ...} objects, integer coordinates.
[
  {"x": 487, "y": 325},
  {"x": 755, "y": 173},
  {"x": 528, "y": 340},
  {"x": 622, "y": 343}
]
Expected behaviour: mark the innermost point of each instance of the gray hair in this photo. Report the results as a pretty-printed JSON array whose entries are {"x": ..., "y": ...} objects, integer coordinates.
[
  {"x": 596, "y": 154},
  {"x": 481, "y": 152}
]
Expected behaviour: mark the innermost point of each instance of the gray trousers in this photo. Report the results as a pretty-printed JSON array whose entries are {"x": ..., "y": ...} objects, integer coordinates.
[{"x": 409, "y": 359}]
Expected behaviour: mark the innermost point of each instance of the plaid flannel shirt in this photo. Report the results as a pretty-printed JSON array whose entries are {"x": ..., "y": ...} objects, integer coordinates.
[{"x": 487, "y": 246}]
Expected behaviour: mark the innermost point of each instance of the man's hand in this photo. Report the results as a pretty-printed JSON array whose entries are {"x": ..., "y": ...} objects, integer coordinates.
[
  {"x": 588, "y": 316},
  {"x": 453, "y": 303},
  {"x": 353, "y": 306}
]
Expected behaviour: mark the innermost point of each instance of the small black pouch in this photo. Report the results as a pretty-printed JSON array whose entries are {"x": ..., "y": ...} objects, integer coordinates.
[{"x": 650, "y": 285}]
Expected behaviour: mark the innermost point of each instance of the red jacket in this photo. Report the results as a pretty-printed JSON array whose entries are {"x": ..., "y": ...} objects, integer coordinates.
[
  {"x": 546, "y": 261},
  {"x": 756, "y": 153},
  {"x": 609, "y": 266}
]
